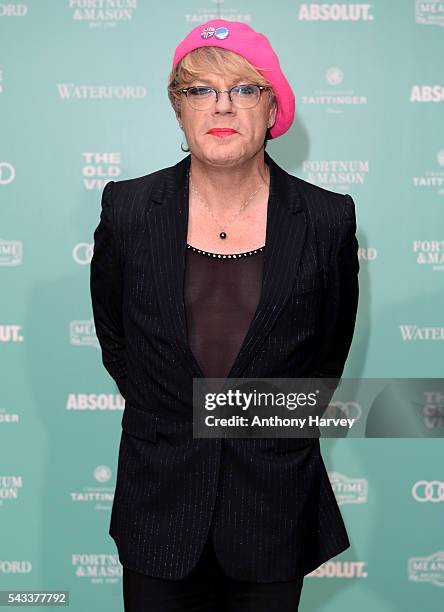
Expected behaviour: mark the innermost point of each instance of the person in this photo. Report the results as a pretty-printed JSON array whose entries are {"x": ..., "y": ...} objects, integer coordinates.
[{"x": 222, "y": 265}]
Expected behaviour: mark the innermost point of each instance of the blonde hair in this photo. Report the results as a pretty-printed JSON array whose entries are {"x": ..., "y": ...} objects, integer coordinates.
[{"x": 213, "y": 60}]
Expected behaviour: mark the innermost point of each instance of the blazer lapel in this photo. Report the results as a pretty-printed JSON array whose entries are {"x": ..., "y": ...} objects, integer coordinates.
[{"x": 167, "y": 224}]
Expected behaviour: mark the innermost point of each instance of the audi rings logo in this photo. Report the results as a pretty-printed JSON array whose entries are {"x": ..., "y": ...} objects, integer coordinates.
[
  {"x": 82, "y": 253},
  {"x": 7, "y": 173},
  {"x": 340, "y": 409},
  {"x": 428, "y": 491}
]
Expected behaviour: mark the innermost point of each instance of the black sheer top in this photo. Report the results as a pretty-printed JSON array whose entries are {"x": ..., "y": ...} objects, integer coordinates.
[{"x": 221, "y": 294}]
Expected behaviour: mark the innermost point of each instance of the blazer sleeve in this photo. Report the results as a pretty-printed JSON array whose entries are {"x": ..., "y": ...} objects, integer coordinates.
[
  {"x": 341, "y": 303},
  {"x": 106, "y": 292}
]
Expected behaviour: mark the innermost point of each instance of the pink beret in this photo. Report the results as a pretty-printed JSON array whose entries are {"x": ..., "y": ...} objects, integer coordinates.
[{"x": 253, "y": 46}]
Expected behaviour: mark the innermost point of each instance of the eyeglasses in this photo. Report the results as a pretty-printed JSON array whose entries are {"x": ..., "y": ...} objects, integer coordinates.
[{"x": 241, "y": 96}]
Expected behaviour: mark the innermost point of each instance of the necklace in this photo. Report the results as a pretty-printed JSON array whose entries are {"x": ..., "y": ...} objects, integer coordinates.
[{"x": 223, "y": 234}]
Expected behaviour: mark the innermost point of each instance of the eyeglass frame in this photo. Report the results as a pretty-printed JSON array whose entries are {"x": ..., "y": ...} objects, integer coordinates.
[{"x": 228, "y": 91}]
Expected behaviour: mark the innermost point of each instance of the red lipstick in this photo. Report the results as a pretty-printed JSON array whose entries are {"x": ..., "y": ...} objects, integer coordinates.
[{"x": 222, "y": 132}]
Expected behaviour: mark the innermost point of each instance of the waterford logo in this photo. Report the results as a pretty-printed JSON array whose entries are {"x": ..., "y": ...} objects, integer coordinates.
[
  {"x": 413, "y": 332},
  {"x": 70, "y": 91},
  {"x": 10, "y": 9}
]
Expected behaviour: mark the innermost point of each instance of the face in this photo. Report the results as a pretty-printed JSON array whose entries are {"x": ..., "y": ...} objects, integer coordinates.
[{"x": 250, "y": 124}]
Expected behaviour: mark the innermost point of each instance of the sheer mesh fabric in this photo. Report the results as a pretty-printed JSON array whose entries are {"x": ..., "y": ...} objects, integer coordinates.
[{"x": 221, "y": 295}]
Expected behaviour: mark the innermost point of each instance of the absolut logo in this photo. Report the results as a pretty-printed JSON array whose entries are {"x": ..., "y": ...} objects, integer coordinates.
[
  {"x": 11, "y": 333},
  {"x": 83, "y": 333},
  {"x": 351, "y": 11},
  {"x": 99, "y": 168},
  {"x": 335, "y": 173},
  {"x": 340, "y": 569},
  {"x": 95, "y": 401},
  {"x": 11, "y": 252},
  {"x": 427, "y": 93}
]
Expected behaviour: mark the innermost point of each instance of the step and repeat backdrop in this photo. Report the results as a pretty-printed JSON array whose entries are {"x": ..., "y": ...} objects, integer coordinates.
[{"x": 83, "y": 100}]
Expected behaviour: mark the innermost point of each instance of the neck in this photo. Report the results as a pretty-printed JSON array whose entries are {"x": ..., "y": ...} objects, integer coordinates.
[{"x": 225, "y": 188}]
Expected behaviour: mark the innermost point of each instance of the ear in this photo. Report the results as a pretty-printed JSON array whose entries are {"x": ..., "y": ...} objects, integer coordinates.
[{"x": 272, "y": 115}]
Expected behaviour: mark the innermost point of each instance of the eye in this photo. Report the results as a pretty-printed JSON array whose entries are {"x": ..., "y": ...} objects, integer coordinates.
[
  {"x": 245, "y": 90},
  {"x": 199, "y": 92}
]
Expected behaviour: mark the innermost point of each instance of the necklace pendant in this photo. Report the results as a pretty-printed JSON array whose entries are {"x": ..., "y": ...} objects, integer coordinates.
[{"x": 222, "y": 235}]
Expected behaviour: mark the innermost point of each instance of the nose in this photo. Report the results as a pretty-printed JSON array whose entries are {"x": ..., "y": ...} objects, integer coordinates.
[{"x": 223, "y": 103}]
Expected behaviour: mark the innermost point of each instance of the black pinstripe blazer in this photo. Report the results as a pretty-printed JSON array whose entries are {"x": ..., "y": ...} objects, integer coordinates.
[{"x": 268, "y": 502}]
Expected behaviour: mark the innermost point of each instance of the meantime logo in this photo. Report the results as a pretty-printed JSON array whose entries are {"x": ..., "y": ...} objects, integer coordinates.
[
  {"x": 335, "y": 99},
  {"x": 429, "y": 13},
  {"x": 102, "y": 13},
  {"x": 83, "y": 333},
  {"x": 427, "y": 569},
  {"x": 432, "y": 179},
  {"x": 99, "y": 168},
  {"x": 349, "y": 490},
  {"x": 70, "y": 91},
  {"x": 314, "y": 11},
  {"x": 429, "y": 253},
  {"x": 94, "y": 401},
  {"x": 335, "y": 173},
  {"x": 11, "y": 252},
  {"x": 427, "y": 93},
  {"x": 8, "y": 417}
]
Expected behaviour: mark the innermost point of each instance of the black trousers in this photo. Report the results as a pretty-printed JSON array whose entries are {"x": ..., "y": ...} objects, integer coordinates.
[{"x": 207, "y": 589}]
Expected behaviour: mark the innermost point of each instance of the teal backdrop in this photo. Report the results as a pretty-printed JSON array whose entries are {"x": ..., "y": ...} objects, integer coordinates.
[{"x": 82, "y": 101}]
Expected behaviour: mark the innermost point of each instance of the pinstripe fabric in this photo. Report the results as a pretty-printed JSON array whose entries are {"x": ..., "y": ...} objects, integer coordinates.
[{"x": 267, "y": 502}]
